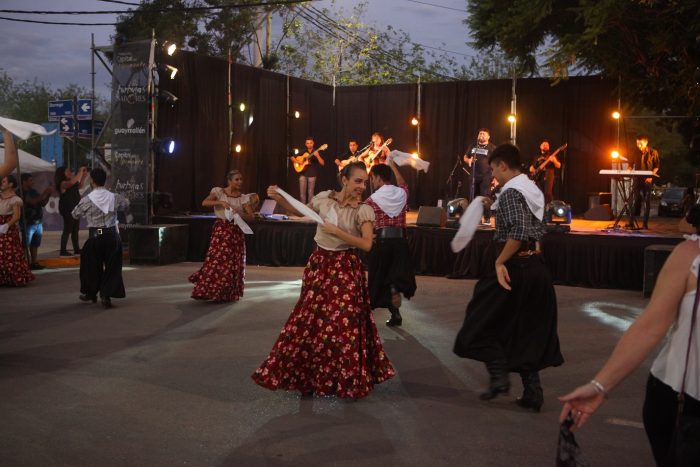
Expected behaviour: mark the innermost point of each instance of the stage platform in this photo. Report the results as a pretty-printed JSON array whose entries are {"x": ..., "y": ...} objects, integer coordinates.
[{"x": 588, "y": 256}]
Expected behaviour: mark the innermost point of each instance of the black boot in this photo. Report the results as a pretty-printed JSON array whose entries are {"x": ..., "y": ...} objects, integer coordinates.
[
  {"x": 532, "y": 397},
  {"x": 499, "y": 383},
  {"x": 396, "y": 318}
]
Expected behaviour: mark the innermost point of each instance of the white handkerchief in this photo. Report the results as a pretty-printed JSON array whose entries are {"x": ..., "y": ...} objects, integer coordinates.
[
  {"x": 404, "y": 158},
  {"x": 228, "y": 213},
  {"x": 332, "y": 216},
  {"x": 468, "y": 224},
  {"x": 238, "y": 220},
  {"x": 23, "y": 130},
  {"x": 3, "y": 229},
  {"x": 301, "y": 207}
]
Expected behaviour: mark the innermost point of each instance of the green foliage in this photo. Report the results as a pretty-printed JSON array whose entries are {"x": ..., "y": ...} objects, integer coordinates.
[
  {"x": 204, "y": 31},
  {"x": 648, "y": 44},
  {"x": 28, "y": 101}
]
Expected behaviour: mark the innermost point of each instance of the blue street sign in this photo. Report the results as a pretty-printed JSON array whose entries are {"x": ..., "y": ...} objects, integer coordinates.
[
  {"x": 58, "y": 109},
  {"x": 85, "y": 128},
  {"x": 66, "y": 126},
  {"x": 84, "y": 109}
]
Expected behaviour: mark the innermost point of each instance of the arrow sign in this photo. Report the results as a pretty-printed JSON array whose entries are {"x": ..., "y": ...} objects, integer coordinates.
[
  {"x": 58, "y": 109},
  {"x": 84, "y": 109},
  {"x": 66, "y": 126}
]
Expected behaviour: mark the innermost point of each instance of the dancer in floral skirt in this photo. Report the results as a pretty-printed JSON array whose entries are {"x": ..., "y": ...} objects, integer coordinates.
[
  {"x": 330, "y": 345},
  {"x": 14, "y": 269},
  {"x": 221, "y": 277}
]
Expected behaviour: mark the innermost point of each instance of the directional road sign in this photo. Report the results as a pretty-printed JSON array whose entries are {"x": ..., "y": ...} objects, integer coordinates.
[
  {"x": 85, "y": 128},
  {"x": 58, "y": 109},
  {"x": 66, "y": 126},
  {"x": 84, "y": 109}
]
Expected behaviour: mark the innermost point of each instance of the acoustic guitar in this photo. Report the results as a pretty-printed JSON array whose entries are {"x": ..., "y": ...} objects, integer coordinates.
[
  {"x": 372, "y": 157},
  {"x": 300, "y": 162}
]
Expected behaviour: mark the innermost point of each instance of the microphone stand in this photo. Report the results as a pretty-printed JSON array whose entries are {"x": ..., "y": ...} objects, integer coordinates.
[{"x": 451, "y": 177}]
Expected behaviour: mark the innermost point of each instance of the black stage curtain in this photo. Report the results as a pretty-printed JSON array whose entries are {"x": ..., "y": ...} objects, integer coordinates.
[{"x": 576, "y": 111}]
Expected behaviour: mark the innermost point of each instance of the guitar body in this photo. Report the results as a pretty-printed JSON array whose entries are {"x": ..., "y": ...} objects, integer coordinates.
[
  {"x": 374, "y": 156},
  {"x": 301, "y": 162}
]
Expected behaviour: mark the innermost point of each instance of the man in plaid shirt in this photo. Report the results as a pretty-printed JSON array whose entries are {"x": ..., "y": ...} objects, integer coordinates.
[
  {"x": 511, "y": 320},
  {"x": 390, "y": 272}
]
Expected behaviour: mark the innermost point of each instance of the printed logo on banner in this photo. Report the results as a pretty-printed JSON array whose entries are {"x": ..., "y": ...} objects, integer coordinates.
[
  {"x": 132, "y": 94},
  {"x": 127, "y": 59},
  {"x": 131, "y": 128},
  {"x": 126, "y": 157}
]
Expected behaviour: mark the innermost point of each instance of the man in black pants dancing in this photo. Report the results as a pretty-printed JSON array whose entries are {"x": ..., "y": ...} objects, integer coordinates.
[
  {"x": 101, "y": 256},
  {"x": 511, "y": 320}
]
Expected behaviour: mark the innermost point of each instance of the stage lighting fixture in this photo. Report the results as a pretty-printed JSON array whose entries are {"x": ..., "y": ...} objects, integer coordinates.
[
  {"x": 169, "y": 47},
  {"x": 297, "y": 114},
  {"x": 296, "y": 151},
  {"x": 616, "y": 115},
  {"x": 241, "y": 107},
  {"x": 171, "y": 70},
  {"x": 511, "y": 118},
  {"x": 557, "y": 216},
  {"x": 168, "y": 96},
  {"x": 165, "y": 146},
  {"x": 615, "y": 155},
  {"x": 456, "y": 207},
  {"x": 238, "y": 148},
  {"x": 414, "y": 121},
  {"x": 250, "y": 120}
]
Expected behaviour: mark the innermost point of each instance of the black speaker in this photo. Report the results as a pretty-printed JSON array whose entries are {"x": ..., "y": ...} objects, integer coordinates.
[
  {"x": 601, "y": 212},
  {"x": 158, "y": 244},
  {"x": 431, "y": 216},
  {"x": 654, "y": 258}
]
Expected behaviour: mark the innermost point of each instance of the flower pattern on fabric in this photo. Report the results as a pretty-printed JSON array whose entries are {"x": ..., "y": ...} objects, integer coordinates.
[
  {"x": 221, "y": 278},
  {"x": 14, "y": 269},
  {"x": 330, "y": 344}
]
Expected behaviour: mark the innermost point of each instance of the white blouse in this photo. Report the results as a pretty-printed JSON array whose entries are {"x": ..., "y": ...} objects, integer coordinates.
[{"x": 670, "y": 363}]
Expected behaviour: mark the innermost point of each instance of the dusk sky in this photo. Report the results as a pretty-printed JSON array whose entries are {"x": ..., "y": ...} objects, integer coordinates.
[{"x": 59, "y": 55}]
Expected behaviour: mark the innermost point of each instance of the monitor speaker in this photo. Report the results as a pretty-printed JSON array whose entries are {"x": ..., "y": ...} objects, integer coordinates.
[
  {"x": 600, "y": 212},
  {"x": 431, "y": 216}
]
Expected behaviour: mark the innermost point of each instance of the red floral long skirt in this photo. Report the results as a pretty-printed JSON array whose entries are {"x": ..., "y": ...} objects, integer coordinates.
[
  {"x": 14, "y": 269},
  {"x": 329, "y": 345},
  {"x": 221, "y": 278}
]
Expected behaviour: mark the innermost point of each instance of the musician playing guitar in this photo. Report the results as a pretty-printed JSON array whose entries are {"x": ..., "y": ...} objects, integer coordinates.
[
  {"x": 543, "y": 167},
  {"x": 307, "y": 167},
  {"x": 377, "y": 151},
  {"x": 353, "y": 155}
]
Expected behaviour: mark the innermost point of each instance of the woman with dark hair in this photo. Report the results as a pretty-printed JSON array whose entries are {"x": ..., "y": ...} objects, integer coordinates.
[
  {"x": 676, "y": 368},
  {"x": 68, "y": 186},
  {"x": 221, "y": 277},
  {"x": 330, "y": 345},
  {"x": 14, "y": 269}
]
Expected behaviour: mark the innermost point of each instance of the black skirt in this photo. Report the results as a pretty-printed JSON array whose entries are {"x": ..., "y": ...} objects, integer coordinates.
[
  {"x": 520, "y": 325},
  {"x": 390, "y": 264}
]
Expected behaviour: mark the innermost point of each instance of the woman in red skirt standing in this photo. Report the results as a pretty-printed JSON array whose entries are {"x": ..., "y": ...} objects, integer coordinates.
[
  {"x": 14, "y": 269},
  {"x": 222, "y": 275},
  {"x": 330, "y": 345}
]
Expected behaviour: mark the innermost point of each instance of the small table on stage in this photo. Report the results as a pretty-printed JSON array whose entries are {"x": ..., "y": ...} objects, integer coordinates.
[{"x": 627, "y": 196}]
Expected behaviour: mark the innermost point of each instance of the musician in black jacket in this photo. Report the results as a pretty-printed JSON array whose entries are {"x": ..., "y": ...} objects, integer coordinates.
[
  {"x": 647, "y": 159},
  {"x": 542, "y": 170}
]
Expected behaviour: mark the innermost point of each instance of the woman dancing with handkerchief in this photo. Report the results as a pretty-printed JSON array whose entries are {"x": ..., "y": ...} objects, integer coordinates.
[
  {"x": 330, "y": 345},
  {"x": 221, "y": 277}
]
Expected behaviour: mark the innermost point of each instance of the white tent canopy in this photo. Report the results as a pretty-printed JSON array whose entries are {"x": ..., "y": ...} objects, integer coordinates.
[{"x": 29, "y": 163}]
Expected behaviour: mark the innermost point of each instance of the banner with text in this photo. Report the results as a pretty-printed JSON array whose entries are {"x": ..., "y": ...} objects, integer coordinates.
[{"x": 131, "y": 147}]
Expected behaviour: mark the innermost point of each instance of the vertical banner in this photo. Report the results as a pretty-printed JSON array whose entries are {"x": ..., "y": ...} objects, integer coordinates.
[{"x": 131, "y": 141}]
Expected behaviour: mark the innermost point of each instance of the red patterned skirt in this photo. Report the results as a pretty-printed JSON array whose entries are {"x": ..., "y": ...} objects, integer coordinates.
[
  {"x": 221, "y": 277},
  {"x": 329, "y": 345},
  {"x": 14, "y": 269}
]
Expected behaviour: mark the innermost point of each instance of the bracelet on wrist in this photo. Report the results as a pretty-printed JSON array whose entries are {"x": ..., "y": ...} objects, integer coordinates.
[{"x": 599, "y": 388}]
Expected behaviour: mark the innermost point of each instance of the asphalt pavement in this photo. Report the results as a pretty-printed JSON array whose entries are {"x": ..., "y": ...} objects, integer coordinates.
[{"x": 161, "y": 379}]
